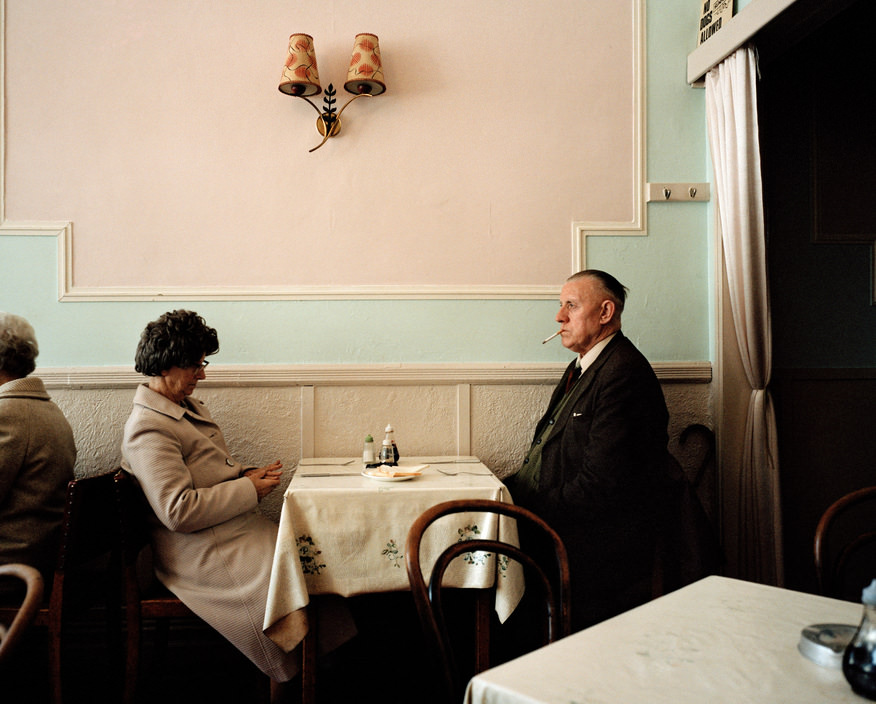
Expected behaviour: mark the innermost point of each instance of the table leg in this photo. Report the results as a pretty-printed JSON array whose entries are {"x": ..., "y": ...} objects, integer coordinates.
[
  {"x": 482, "y": 629},
  {"x": 308, "y": 657}
]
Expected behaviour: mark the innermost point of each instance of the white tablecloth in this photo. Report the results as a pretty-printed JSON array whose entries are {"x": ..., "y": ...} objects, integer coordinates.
[
  {"x": 345, "y": 534},
  {"x": 718, "y": 640}
]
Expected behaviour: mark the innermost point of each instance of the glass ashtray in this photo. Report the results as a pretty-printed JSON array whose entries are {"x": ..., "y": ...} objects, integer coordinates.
[{"x": 824, "y": 643}]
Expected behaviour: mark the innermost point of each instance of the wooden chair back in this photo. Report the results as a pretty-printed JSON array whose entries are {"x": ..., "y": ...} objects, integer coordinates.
[
  {"x": 845, "y": 545},
  {"x": 86, "y": 572},
  {"x": 145, "y": 598},
  {"x": 32, "y": 582},
  {"x": 547, "y": 574}
]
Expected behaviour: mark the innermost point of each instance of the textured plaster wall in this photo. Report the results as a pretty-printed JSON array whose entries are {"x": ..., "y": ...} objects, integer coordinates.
[
  {"x": 262, "y": 424},
  {"x": 424, "y": 418},
  {"x": 502, "y": 419}
]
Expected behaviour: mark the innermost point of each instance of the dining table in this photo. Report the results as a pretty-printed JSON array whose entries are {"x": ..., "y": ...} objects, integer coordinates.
[
  {"x": 716, "y": 640},
  {"x": 342, "y": 532}
]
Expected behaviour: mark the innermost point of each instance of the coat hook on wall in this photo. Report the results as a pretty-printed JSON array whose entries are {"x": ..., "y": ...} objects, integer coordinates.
[{"x": 678, "y": 192}]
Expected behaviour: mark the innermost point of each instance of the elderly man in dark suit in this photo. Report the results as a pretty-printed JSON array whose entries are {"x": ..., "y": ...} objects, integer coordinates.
[{"x": 598, "y": 469}]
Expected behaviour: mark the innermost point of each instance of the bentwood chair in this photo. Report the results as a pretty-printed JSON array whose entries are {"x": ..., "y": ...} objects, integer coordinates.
[
  {"x": 145, "y": 598},
  {"x": 85, "y": 579},
  {"x": 32, "y": 582},
  {"x": 845, "y": 545},
  {"x": 547, "y": 577}
]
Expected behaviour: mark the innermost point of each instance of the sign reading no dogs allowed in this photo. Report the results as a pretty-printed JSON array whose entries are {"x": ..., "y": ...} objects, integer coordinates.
[{"x": 714, "y": 16}]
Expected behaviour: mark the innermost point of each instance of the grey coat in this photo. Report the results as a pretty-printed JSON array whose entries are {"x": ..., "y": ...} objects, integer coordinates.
[
  {"x": 212, "y": 547},
  {"x": 37, "y": 454}
]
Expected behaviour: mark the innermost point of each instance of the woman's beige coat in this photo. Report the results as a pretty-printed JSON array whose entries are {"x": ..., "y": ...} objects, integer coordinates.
[{"x": 212, "y": 547}]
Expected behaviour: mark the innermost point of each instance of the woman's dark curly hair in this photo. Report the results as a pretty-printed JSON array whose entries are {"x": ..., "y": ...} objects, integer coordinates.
[{"x": 177, "y": 339}]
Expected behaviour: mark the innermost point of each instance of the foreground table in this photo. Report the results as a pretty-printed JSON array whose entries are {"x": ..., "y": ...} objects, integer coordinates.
[
  {"x": 718, "y": 640},
  {"x": 342, "y": 533}
]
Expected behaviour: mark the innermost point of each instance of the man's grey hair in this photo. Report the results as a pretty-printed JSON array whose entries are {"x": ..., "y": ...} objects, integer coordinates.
[{"x": 612, "y": 288}]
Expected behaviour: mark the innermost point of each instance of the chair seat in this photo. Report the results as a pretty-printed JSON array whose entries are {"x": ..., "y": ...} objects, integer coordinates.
[{"x": 160, "y": 602}]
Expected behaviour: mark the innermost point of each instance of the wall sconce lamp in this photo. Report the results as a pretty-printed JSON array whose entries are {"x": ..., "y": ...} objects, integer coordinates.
[{"x": 300, "y": 78}]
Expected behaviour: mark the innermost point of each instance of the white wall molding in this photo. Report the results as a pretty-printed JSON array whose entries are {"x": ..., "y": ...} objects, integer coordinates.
[
  {"x": 62, "y": 231},
  {"x": 308, "y": 422},
  {"x": 637, "y": 227},
  {"x": 306, "y": 375},
  {"x": 303, "y": 293},
  {"x": 68, "y": 292},
  {"x": 463, "y": 419}
]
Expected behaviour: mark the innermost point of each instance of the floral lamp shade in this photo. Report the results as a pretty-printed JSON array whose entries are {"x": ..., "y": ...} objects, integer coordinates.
[
  {"x": 365, "y": 74},
  {"x": 300, "y": 75}
]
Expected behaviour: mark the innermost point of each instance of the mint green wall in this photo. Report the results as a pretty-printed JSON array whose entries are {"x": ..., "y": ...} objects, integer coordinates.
[{"x": 668, "y": 272}]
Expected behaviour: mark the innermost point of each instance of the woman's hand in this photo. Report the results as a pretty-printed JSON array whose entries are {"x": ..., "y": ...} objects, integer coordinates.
[{"x": 265, "y": 479}]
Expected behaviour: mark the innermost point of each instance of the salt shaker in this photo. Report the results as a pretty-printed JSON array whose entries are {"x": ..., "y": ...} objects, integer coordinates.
[
  {"x": 368, "y": 452},
  {"x": 859, "y": 659}
]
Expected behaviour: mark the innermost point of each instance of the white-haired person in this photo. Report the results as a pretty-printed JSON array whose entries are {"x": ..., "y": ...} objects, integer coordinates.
[{"x": 37, "y": 454}]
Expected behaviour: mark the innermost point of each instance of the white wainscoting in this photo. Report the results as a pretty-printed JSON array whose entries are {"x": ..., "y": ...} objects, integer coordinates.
[{"x": 291, "y": 411}]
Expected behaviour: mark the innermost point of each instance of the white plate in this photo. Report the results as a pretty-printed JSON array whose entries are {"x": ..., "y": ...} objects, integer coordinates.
[{"x": 382, "y": 478}]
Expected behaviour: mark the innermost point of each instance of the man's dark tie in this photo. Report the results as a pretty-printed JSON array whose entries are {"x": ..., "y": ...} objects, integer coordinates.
[{"x": 573, "y": 377}]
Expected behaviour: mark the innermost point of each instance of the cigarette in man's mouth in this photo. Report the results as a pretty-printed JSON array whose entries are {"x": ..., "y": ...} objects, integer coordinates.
[{"x": 548, "y": 339}]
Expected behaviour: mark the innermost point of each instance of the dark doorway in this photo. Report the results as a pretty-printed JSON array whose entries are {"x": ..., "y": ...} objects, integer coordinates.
[{"x": 817, "y": 112}]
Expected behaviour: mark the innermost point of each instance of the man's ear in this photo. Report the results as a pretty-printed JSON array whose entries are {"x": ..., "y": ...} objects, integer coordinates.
[{"x": 606, "y": 313}]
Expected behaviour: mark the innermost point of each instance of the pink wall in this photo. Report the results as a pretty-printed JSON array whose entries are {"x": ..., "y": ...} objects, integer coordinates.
[{"x": 158, "y": 130}]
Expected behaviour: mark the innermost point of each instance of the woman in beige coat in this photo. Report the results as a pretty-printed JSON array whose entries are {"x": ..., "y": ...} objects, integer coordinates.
[{"x": 212, "y": 547}]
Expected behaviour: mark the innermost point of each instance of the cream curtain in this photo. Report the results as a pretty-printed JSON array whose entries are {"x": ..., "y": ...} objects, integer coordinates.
[{"x": 731, "y": 107}]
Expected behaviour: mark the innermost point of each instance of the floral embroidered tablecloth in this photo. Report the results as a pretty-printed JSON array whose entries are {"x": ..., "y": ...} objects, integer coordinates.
[{"x": 343, "y": 533}]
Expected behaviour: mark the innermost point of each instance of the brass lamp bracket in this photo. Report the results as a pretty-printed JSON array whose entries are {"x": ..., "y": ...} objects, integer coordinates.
[
  {"x": 322, "y": 122},
  {"x": 328, "y": 124}
]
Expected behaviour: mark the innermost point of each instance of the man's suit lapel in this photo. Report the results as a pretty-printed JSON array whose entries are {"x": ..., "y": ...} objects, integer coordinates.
[
  {"x": 586, "y": 381},
  {"x": 556, "y": 397}
]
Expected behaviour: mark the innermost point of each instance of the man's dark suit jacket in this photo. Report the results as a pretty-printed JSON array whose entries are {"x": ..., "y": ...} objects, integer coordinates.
[{"x": 605, "y": 482}]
